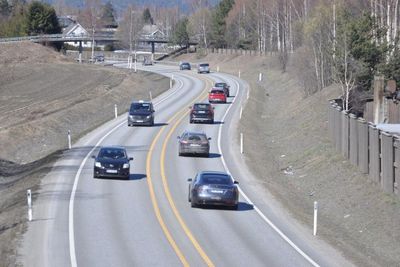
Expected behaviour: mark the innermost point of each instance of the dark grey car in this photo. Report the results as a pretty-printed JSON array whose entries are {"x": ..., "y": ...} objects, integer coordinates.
[
  {"x": 213, "y": 188},
  {"x": 141, "y": 113},
  {"x": 194, "y": 143}
]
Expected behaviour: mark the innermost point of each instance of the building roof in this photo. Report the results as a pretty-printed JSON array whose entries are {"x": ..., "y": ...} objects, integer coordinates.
[{"x": 151, "y": 29}]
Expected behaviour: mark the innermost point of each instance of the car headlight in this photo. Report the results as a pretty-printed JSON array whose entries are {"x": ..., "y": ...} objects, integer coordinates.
[
  {"x": 125, "y": 166},
  {"x": 97, "y": 164},
  {"x": 148, "y": 117}
]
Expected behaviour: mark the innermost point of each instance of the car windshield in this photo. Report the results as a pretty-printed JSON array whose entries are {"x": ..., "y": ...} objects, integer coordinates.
[
  {"x": 112, "y": 153},
  {"x": 204, "y": 65},
  {"x": 140, "y": 106},
  {"x": 200, "y": 106},
  {"x": 216, "y": 179},
  {"x": 217, "y": 92},
  {"x": 185, "y": 64},
  {"x": 220, "y": 85}
]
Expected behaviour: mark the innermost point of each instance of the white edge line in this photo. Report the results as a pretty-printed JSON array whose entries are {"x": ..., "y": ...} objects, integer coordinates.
[
  {"x": 71, "y": 233},
  {"x": 259, "y": 212}
]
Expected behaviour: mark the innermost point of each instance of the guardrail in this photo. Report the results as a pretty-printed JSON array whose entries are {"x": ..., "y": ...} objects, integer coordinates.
[{"x": 62, "y": 37}]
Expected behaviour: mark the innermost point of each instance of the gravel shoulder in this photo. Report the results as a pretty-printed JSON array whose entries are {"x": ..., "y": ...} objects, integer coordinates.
[
  {"x": 296, "y": 162},
  {"x": 42, "y": 96}
]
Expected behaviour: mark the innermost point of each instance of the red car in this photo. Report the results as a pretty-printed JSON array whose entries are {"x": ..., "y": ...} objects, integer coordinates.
[{"x": 217, "y": 95}]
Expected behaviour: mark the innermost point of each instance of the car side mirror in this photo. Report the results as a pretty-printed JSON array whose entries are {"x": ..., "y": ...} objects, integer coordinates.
[
  {"x": 235, "y": 182},
  {"x": 209, "y": 138},
  {"x": 93, "y": 156},
  {"x": 190, "y": 179},
  {"x": 130, "y": 158}
]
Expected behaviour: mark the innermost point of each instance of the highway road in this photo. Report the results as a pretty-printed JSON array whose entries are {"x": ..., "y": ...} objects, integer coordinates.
[{"x": 147, "y": 220}]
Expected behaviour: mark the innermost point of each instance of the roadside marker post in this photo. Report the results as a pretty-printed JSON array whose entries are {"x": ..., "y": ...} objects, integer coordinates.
[
  {"x": 239, "y": 74},
  {"x": 151, "y": 96},
  {"x": 241, "y": 143},
  {"x": 170, "y": 81},
  {"x": 315, "y": 217},
  {"x": 69, "y": 139},
  {"x": 217, "y": 68},
  {"x": 116, "y": 110},
  {"x": 29, "y": 199},
  {"x": 260, "y": 77},
  {"x": 241, "y": 111},
  {"x": 135, "y": 62}
]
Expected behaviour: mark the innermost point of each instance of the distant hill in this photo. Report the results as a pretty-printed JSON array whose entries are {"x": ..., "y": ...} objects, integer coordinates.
[{"x": 120, "y": 5}]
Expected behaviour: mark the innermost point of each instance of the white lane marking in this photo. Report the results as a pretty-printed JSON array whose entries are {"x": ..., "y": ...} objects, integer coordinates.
[
  {"x": 259, "y": 212},
  {"x": 71, "y": 233}
]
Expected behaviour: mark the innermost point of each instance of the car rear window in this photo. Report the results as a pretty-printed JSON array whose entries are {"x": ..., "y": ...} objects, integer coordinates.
[
  {"x": 201, "y": 106},
  {"x": 217, "y": 92},
  {"x": 112, "y": 153},
  {"x": 216, "y": 179},
  {"x": 220, "y": 85},
  {"x": 196, "y": 137},
  {"x": 204, "y": 65}
]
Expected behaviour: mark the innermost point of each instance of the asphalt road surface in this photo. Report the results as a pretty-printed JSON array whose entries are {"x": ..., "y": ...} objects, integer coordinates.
[{"x": 147, "y": 220}]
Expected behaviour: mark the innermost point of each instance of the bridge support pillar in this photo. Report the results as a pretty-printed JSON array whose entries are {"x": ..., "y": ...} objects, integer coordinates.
[
  {"x": 152, "y": 51},
  {"x": 80, "y": 51}
]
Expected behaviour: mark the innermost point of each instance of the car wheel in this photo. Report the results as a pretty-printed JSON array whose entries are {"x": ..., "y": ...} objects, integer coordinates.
[
  {"x": 191, "y": 121},
  {"x": 192, "y": 204},
  {"x": 212, "y": 121}
]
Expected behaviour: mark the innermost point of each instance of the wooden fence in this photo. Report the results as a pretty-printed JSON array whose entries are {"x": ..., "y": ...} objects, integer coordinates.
[{"x": 374, "y": 152}]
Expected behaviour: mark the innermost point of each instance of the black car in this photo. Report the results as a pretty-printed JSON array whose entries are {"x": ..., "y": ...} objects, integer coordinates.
[
  {"x": 194, "y": 143},
  {"x": 185, "y": 66},
  {"x": 110, "y": 162},
  {"x": 223, "y": 85},
  {"x": 141, "y": 113},
  {"x": 213, "y": 188},
  {"x": 202, "y": 112},
  {"x": 99, "y": 58}
]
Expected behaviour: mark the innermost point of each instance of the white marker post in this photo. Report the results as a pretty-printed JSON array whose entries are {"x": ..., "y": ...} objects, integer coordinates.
[
  {"x": 260, "y": 77},
  {"x": 170, "y": 81},
  {"x": 116, "y": 110},
  {"x": 248, "y": 94},
  {"x": 29, "y": 199},
  {"x": 151, "y": 96},
  {"x": 241, "y": 143},
  {"x": 241, "y": 111},
  {"x": 135, "y": 62},
  {"x": 69, "y": 139},
  {"x": 239, "y": 74},
  {"x": 315, "y": 217},
  {"x": 217, "y": 68}
]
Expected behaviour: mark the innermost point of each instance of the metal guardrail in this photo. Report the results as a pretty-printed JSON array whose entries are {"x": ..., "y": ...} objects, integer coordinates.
[{"x": 61, "y": 37}]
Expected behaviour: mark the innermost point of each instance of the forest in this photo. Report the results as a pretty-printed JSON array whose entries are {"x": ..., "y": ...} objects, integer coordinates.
[{"x": 327, "y": 41}]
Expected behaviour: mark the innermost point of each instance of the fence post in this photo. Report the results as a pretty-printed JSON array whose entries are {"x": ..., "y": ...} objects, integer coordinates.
[
  {"x": 396, "y": 146},
  {"x": 362, "y": 145},
  {"x": 338, "y": 128},
  {"x": 353, "y": 140},
  {"x": 345, "y": 134},
  {"x": 374, "y": 153},
  {"x": 387, "y": 162}
]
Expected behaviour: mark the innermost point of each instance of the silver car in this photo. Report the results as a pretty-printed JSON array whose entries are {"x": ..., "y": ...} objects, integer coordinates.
[
  {"x": 194, "y": 143},
  {"x": 203, "y": 68}
]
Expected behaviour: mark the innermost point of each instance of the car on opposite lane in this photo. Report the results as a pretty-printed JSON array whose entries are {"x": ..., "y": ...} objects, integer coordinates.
[
  {"x": 194, "y": 143},
  {"x": 213, "y": 188},
  {"x": 217, "y": 95},
  {"x": 201, "y": 112},
  {"x": 185, "y": 66},
  {"x": 141, "y": 113},
  {"x": 203, "y": 68},
  {"x": 113, "y": 162},
  {"x": 223, "y": 85}
]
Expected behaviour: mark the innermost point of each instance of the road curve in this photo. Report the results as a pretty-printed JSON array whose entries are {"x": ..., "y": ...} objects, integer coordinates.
[{"x": 147, "y": 221}]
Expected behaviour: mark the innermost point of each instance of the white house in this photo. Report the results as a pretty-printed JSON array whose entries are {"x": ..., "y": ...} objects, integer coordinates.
[{"x": 76, "y": 30}]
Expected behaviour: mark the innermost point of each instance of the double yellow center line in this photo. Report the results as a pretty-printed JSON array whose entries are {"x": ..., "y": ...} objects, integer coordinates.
[{"x": 180, "y": 115}]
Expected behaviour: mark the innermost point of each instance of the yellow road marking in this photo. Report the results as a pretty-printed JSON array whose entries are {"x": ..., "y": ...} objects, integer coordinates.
[{"x": 155, "y": 203}]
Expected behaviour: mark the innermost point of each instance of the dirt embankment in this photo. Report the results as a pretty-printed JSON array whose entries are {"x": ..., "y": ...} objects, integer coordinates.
[
  {"x": 42, "y": 96},
  {"x": 297, "y": 163}
]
